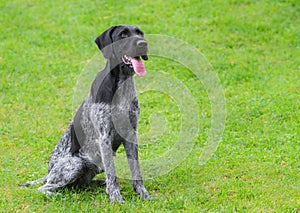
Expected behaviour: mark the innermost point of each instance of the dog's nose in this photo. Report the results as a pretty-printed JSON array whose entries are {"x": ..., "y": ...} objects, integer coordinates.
[{"x": 141, "y": 43}]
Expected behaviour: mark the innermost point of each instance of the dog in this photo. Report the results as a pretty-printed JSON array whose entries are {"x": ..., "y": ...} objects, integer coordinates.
[{"x": 107, "y": 118}]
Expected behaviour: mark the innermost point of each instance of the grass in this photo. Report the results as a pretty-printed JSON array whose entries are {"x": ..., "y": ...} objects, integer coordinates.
[{"x": 253, "y": 47}]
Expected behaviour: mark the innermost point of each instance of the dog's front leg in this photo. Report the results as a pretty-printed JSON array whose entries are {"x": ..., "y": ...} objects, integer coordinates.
[
  {"x": 112, "y": 185},
  {"x": 100, "y": 117},
  {"x": 132, "y": 157}
]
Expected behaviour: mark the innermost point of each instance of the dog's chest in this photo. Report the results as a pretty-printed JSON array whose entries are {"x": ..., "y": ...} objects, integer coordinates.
[
  {"x": 124, "y": 108},
  {"x": 124, "y": 96}
]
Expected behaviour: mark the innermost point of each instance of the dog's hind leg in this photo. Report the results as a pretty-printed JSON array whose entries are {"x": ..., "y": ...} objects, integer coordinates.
[{"x": 66, "y": 171}]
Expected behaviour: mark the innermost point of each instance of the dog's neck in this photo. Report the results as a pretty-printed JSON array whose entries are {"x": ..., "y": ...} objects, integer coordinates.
[
  {"x": 123, "y": 81},
  {"x": 119, "y": 71},
  {"x": 114, "y": 78},
  {"x": 124, "y": 89}
]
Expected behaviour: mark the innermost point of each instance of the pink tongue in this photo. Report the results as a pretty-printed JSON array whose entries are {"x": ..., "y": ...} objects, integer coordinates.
[{"x": 138, "y": 67}]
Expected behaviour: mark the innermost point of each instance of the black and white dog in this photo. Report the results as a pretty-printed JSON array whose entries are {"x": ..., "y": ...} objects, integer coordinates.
[{"x": 107, "y": 118}]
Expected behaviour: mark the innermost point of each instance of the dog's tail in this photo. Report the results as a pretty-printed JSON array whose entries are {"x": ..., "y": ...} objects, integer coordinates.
[{"x": 33, "y": 183}]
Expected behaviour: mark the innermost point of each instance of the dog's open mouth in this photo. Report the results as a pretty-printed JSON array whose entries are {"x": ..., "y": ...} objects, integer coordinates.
[{"x": 136, "y": 63}]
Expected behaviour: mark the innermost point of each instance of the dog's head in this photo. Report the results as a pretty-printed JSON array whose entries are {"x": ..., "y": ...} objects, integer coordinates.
[{"x": 125, "y": 44}]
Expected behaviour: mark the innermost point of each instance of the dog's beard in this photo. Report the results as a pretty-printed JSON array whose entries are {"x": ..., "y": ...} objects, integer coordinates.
[{"x": 126, "y": 70}]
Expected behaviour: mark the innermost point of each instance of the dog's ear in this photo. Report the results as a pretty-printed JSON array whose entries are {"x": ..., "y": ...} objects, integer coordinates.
[{"x": 104, "y": 42}]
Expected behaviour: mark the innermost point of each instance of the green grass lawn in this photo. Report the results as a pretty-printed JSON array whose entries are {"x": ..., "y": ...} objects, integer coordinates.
[{"x": 254, "y": 48}]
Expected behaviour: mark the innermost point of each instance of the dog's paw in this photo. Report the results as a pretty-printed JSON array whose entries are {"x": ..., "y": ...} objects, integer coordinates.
[
  {"x": 146, "y": 196},
  {"x": 48, "y": 193},
  {"x": 150, "y": 197},
  {"x": 142, "y": 191},
  {"x": 116, "y": 197}
]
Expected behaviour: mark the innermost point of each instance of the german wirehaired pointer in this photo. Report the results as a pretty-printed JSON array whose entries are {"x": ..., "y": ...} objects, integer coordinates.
[{"x": 107, "y": 118}]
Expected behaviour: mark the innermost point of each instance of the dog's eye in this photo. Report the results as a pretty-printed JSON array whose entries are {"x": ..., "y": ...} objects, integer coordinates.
[{"x": 124, "y": 35}]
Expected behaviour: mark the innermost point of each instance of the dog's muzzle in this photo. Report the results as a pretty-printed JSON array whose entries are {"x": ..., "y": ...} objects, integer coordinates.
[{"x": 133, "y": 57}]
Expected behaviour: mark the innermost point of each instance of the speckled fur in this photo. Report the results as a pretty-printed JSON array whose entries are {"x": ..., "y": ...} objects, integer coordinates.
[{"x": 107, "y": 118}]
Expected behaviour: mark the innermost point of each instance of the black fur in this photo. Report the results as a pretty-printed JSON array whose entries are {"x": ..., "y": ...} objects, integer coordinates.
[{"x": 107, "y": 118}]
